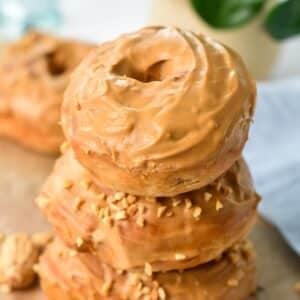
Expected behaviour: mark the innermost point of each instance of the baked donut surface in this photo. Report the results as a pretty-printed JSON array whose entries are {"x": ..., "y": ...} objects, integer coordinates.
[
  {"x": 126, "y": 231},
  {"x": 34, "y": 72},
  {"x": 163, "y": 110},
  {"x": 66, "y": 275}
]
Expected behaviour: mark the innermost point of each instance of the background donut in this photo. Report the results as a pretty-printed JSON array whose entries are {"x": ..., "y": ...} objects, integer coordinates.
[{"x": 34, "y": 72}]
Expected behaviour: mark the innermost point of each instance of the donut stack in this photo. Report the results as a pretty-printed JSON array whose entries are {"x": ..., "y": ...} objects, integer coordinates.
[{"x": 151, "y": 199}]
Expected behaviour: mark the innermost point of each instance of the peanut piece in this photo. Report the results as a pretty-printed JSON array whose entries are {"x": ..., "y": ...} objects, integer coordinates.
[{"x": 18, "y": 255}]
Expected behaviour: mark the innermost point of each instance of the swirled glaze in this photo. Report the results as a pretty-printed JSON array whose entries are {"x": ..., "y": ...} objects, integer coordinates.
[{"x": 160, "y": 99}]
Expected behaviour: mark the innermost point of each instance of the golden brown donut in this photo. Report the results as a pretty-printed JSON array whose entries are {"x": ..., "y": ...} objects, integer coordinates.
[
  {"x": 34, "y": 72},
  {"x": 66, "y": 275},
  {"x": 126, "y": 231},
  {"x": 159, "y": 112}
]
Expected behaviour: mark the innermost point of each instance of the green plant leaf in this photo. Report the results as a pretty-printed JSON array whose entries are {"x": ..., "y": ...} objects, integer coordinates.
[
  {"x": 227, "y": 13},
  {"x": 283, "y": 21}
]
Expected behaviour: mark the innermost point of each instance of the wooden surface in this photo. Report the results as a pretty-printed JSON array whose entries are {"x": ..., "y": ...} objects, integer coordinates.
[{"x": 21, "y": 174}]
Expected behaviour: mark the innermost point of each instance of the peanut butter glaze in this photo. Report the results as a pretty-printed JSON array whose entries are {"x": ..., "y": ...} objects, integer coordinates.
[
  {"x": 125, "y": 231},
  {"x": 159, "y": 100},
  {"x": 34, "y": 73},
  {"x": 232, "y": 277}
]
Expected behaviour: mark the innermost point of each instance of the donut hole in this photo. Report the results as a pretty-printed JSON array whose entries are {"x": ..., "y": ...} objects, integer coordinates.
[{"x": 154, "y": 72}]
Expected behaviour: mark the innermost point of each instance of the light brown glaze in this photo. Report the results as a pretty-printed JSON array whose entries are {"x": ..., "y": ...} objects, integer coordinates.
[
  {"x": 159, "y": 112},
  {"x": 81, "y": 277},
  {"x": 126, "y": 231},
  {"x": 34, "y": 72}
]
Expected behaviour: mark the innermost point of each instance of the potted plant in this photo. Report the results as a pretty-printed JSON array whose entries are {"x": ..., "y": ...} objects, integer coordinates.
[{"x": 252, "y": 27}]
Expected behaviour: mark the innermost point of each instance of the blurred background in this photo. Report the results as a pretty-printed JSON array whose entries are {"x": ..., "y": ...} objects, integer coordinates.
[{"x": 263, "y": 31}]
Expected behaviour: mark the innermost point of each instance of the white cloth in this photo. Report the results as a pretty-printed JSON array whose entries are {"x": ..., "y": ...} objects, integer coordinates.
[{"x": 273, "y": 154}]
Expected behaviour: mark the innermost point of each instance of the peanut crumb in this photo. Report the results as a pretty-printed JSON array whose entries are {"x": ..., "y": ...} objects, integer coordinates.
[
  {"x": 161, "y": 210},
  {"x": 132, "y": 209},
  {"x": 68, "y": 184},
  {"x": 36, "y": 268},
  {"x": 131, "y": 199},
  {"x": 140, "y": 221},
  {"x": 78, "y": 203},
  {"x": 229, "y": 189},
  {"x": 79, "y": 242},
  {"x": 188, "y": 203},
  {"x": 148, "y": 269},
  {"x": 197, "y": 212},
  {"x": 124, "y": 203},
  {"x": 120, "y": 272},
  {"x": 95, "y": 208},
  {"x": 119, "y": 195},
  {"x": 219, "y": 185},
  {"x": 108, "y": 221},
  {"x": 114, "y": 207},
  {"x": 219, "y": 205},
  {"x": 85, "y": 184},
  {"x": 235, "y": 258},
  {"x": 141, "y": 209},
  {"x": 120, "y": 215},
  {"x": 151, "y": 199},
  {"x": 106, "y": 287},
  {"x": 169, "y": 213},
  {"x": 180, "y": 256},
  {"x": 207, "y": 196},
  {"x": 111, "y": 199},
  {"x": 98, "y": 236},
  {"x": 101, "y": 213},
  {"x": 233, "y": 282},
  {"x": 139, "y": 285},
  {"x": 161, "y": 294},
  {"x": 145, "y": 291},
  {"x": 176, "y": 202}
]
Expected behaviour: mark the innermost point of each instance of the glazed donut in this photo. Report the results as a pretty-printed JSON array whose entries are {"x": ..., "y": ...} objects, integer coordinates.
[
  {"x": 232, "y": 277},
  {"x": 34, "y": 72},
  {"x": 159, "y": 112},
  {"x": 126, "y": 231}
]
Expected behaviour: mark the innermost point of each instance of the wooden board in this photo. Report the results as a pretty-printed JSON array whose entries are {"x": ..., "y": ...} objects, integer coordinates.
[{"x": 22, "y": 173}]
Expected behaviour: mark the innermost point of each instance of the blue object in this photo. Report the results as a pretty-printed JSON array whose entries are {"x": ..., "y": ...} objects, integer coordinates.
[
  {"x": 273, "y": 154},
  {"x": 18, "y": 16}
]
